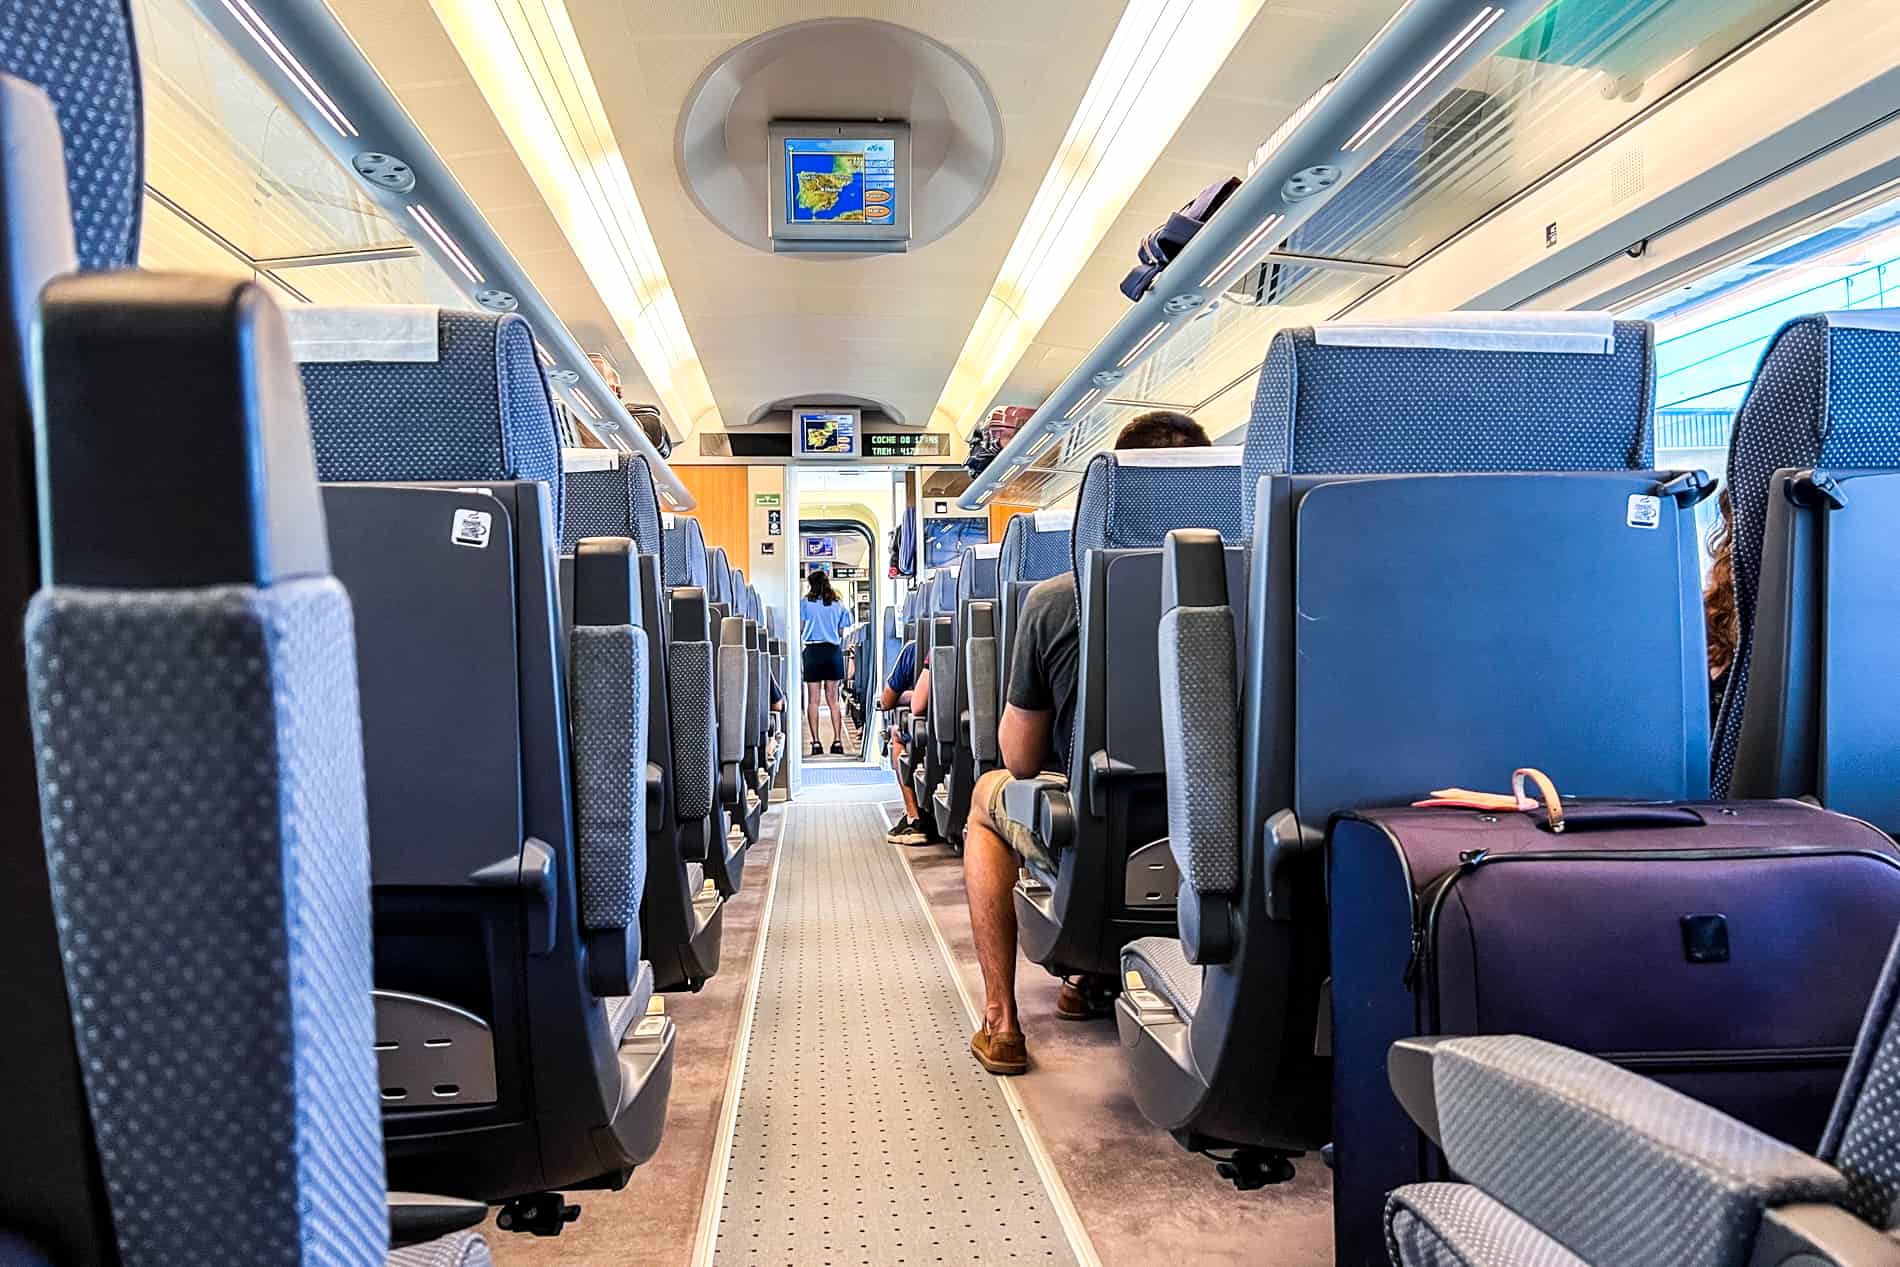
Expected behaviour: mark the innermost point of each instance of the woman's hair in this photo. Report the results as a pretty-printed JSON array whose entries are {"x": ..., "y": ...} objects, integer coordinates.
[
  {"x": 1718, "y": 598},
  {"x": 819, "y": 587}
]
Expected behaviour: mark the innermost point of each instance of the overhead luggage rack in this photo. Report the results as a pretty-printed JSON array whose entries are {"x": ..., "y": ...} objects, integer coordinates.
[{"x": 1453, "y": 111}]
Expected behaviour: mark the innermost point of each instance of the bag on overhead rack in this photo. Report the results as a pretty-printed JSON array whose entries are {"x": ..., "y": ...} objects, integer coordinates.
[{"x": 1166, "y": 242}]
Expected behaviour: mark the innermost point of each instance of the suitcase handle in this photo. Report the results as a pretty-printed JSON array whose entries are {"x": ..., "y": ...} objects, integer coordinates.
[
  {"x": 1575, "y": 817},
  {"x": 1553, "y": 804}
]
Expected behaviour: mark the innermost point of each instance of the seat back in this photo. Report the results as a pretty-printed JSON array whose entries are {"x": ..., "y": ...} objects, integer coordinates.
[
  {"x": 235, "y": 642},
  {"x": 684, "y": 549},
  {"x": 1128, "y": 504},
  {"x": 1355, "y": 686},
  {"x": 501, "y": 429},
  {"x": 976, "y": 589},
  {"x": 1036, "y": 546},
  {"x": 1107, "y": 890},
  {"x": 1862, "y": 1140},
  {"x": 719, "y": 579},
  {"x": 1483, "y": 392},
  {"x": 941, "y": 621},
  {"x": 516, "y": 861},
  {"x": 70, "y": 189},
  {"x": 1809, "y": 708},
  {"x": 605, "y": 496}
]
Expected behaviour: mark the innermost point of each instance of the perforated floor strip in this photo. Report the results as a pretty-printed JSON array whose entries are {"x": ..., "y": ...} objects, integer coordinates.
[{"x": 865, "y": 1132}]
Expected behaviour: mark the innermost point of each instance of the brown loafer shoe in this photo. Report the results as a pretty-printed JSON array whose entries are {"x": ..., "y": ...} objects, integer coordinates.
[
  {"x": 1003, "y": 1054},
  {"x": 1075, "y": 1001}
]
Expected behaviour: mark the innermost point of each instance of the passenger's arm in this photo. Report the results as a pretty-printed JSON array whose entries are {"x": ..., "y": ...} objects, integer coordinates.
[
  {"x": 1022, "y": 736},
  {"x": 887, "y": 698},
  {"x": 920, "y": 695}
]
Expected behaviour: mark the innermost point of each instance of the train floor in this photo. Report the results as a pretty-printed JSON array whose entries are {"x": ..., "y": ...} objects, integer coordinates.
[{"x": 826, "y": 1109}]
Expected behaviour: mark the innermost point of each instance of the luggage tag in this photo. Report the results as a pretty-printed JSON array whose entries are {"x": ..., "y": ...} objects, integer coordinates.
[{"x": 1517, "y": 802}]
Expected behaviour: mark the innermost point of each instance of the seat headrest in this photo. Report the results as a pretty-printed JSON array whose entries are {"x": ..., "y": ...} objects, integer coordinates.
[
  {"x": 616, "y": 499},
  {"x": 81, "y": 55},
  {"x": 239, "y": 503},
  {"x": 1827, "y": 393},
  {"x": 718, "y": 576},
  {"x": 1459, "y": 392},
  {"x": 479, "y": 411},
  {"x": 1035, "y": 546},
  {"x": 1133, "y": 498},
  {"x": 683, "y": 553},
  {"x": 976, "y": 576}
]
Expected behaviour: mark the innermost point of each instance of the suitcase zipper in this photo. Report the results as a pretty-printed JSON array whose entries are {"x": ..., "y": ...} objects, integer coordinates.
[
  {"x": 1423, "y": 966},
  {"x": 1703, "y": 1060}
]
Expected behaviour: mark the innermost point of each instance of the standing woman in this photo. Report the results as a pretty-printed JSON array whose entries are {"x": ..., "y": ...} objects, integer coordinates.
[{"x": 824, "y": 619}]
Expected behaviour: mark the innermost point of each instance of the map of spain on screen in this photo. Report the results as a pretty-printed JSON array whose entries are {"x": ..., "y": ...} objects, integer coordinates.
[{"x": 844, "y": 181}]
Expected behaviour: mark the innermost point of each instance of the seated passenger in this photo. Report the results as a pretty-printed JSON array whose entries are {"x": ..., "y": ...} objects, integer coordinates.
[
  {"x": 898, "y": 688},
  {"x": 1034, "y": 734},
  {"x": 1718, "y": 607}
]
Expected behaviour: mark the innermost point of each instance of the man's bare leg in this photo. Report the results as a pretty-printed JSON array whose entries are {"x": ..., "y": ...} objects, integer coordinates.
[{"x": 989, "y": 878}]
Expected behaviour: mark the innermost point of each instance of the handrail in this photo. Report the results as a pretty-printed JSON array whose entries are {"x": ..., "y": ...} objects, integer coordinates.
[
  {"x": 1425, "y": 49},
  {"x": 314, "y": 37}
]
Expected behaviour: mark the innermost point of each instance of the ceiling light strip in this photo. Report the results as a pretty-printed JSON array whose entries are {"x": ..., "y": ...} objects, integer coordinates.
[
  {"x": 531, "y": 68},
  {"x": 1158, "y": 62},
  {"x": 1142, "y": 346},
  {"x": 286, "y": 61},
  {"x": 441, "y": 238},
  {"x": 1479, "y": 24}
]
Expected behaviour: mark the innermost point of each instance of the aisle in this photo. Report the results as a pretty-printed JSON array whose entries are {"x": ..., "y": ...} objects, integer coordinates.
[{"x": 864, "y": 1131}]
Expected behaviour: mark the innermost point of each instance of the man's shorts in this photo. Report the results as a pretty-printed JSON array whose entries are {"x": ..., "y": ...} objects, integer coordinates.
[{"x": 1016, "y": 835}]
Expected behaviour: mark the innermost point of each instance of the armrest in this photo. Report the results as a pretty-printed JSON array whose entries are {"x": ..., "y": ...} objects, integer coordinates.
[
  {"x": 1579, "y": 1147},
  {"x": 1043, "y": 806},
  {"x": 1821, "y": 1234},
  {"x": 415, "y": 1217},
  {"x": 735, "y": 670},
  {"x": 980, "y": 690},
  {"x": 1201, "y": 740}
]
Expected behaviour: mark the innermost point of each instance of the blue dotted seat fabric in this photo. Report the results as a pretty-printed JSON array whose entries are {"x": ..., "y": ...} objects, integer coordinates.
[
  {"x": 1340, "y": 409},
  {"x": 79, "y": 52},
  {"x": 621, "y": 501},
  {"x": 1126, "y": 504},
  {"x": 479, "y": 411},
  {"x": 683, "y": 554},
  {"x": 1827, "y": 392},
  {"x": 1031, "y": 552}
]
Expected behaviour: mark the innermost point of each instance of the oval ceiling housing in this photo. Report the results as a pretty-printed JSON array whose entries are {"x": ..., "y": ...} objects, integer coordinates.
[{"x": 853, "y": 69}]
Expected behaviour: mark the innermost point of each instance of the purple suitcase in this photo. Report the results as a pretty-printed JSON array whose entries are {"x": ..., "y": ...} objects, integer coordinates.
[{"x": 1726, "y": 949}]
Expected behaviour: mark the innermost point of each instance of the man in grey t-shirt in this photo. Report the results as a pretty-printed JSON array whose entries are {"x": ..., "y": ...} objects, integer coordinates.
[{"x": 1035, "y": 735}]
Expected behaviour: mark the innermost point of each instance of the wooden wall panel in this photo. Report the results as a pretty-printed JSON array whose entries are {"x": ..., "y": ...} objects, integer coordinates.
[
  {"x": 723, "y": 513},
  {"x": 1000, "y": 515}
]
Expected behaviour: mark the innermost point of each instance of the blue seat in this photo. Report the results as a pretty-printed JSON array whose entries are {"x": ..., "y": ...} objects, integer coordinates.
[
  {"x": 202, "y": 657},
  {"x": 1106, "y": 829},
  {"x": 937, "y": 606},
  {"x": 613, "y": 515},
  {"x": 976, "y": 586},
  {"x": 734, "y": 706},
  {"x": 507, "y": 773},
  {"x": 606, "y": 497},
  {"x": 1811, "y": 707},
  {"x": 1036, "y": 546},
  {"x": 1569, "y": 1161},
  {"x": 1298, "y": 693}
]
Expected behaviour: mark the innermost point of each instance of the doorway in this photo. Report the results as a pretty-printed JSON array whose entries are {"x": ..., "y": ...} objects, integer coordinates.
[{"x": 848, "y": 551}]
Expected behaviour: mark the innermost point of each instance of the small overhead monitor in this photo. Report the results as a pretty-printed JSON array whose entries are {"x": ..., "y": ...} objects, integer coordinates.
[
  {"x": 839, "y": 186},
  {"x": 821, "y": 548},
  {"x": 828, "y": 432}
]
